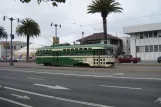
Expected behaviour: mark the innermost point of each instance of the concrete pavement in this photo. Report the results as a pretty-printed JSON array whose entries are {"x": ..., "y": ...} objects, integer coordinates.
[
  {"x": 86, "y": 89},
  {"x": 116, "y": 68}
]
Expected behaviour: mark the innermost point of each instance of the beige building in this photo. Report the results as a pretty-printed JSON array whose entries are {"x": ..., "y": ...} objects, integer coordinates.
[{"x": 98, "y": 38}]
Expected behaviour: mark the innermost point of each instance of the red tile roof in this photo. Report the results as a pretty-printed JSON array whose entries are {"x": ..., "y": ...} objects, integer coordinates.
[{"x": 98, "y": 36}]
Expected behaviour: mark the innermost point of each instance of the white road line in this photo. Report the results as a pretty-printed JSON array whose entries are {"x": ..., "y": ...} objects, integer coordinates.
[
  {"x": 58, "y": 98},
  {"x": 34, "y": 78},
  {"x": 14, "y": 102},
  {"x": 121, "y": 87},
  {"x": 21, "y": 97},
  {"x": 95, "y": 76},
  {"x": 118, "y": 74},
  {"x": 158, "y": 100},
  {"x": 52, "y": 87}
]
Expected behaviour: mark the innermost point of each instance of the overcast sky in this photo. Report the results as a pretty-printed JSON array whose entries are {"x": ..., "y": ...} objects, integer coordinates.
[{"x": 75, "y": 11}]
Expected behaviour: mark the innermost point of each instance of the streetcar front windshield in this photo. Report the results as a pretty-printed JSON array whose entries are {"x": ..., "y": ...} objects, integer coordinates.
[{"x": 110, "y": 52}]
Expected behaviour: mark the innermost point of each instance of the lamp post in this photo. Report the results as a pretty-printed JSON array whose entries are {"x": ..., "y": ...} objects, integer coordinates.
[
  {"x": 56, "y": 28},
  {"x": 12, "y": 37}
]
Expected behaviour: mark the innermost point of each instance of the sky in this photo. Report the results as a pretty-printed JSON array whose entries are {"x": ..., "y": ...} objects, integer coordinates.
[{"x": 74, "y": 19}]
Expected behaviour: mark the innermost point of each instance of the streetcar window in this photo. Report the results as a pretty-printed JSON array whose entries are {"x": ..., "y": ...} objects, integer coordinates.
[{"x": 89, "y": 48}]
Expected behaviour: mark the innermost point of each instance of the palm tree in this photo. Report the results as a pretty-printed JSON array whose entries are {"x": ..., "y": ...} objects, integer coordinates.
[
  {"x": 3, "y": 33},
  {"x": 105, "y": 7},
  {"x": 28, "y": 28}
]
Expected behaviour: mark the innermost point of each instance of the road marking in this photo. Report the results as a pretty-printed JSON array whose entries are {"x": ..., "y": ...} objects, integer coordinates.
[
  {"x": 158, "y": 100},
  {"x": 52, "y": 87},
  {"x": 34, "y": 78},
  {"x": 57, "y": 98},
  {"x": 121, "y": 87},
  {"x": 14, "y": 102},
  {"x": 21, "y": 97},
  {"x": 95, "y": 76},
  {"x": 118, "y": 74}
]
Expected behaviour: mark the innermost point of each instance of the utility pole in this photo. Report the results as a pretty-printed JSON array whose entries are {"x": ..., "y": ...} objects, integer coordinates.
[
  {"x": 56, "y": 30},
  {"x": 12, "y": 37}
]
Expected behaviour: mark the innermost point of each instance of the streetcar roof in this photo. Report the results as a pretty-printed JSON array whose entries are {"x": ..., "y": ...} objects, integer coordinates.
[{"x": 93, "y": 46}]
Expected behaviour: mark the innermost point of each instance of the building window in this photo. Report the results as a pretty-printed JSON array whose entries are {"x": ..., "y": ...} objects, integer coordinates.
[
  {"x": 137, "y": 49},
  {"x": 127, "y": 41},
  {"x": 146, "y": 48},
  {"x": 141, "y": 36},
  {"x": 155, "y": 48},
  {"x": 146, "y": 34},
  {"x": 14, "y": 47},
  {"x": 105, "y": 42},
  {"x": 150, "y": 35},
  {"x": 155, "y": 34},
  {"x": 141, "y": 49},
  {"x": 151, "y": 48},
  {"x": 159, "y": 48}
]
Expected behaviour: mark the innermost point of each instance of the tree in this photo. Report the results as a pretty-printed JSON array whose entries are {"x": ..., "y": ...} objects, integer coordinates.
[
  {"x": 54, "y": 2},
  {"x": 105, "y": 7},
  {"x": 28, "y": 28},
  {"x": 3, "y": 33}
]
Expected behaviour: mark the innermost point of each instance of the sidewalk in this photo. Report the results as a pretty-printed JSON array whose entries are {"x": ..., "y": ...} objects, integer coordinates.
[{"x": 116, "y": 68}]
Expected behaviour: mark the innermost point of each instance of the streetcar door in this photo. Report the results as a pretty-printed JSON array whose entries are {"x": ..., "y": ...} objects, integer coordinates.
[
  {"x": 57, "y": 58},
  {"x": 96, "y": 57}
]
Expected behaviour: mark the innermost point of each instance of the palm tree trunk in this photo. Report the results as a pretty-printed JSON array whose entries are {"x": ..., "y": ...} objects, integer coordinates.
[
  {"x": 105, "y": 28},
  {"x": 27, "y": 54}
]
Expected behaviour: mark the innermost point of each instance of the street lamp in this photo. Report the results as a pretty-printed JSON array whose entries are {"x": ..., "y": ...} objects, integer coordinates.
[
  {"x": 12, "y": 37},
  {"x": 56, "y": 26}
]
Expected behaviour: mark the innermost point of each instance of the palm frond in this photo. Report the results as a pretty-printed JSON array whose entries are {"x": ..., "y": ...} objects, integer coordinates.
[
  {"x": 28, "y": 27},
  {"x": 104, "y": 7},
  {"x": 3, "y": 33}
]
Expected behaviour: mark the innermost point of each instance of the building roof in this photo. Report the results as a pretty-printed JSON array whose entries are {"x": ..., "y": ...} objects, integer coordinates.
[
  {"x": 142, "y": 28},
  {"x": 32, "y": 47},
  {"x": 14, "y": 42},
  {"x": 98, "y": 36}
]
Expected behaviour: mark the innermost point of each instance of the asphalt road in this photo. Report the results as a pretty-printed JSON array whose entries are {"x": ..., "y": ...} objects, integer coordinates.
[{"x": 57, "y": 88}]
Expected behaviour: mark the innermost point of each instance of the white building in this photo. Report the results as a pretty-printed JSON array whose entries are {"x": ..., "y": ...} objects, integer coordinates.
[
  {"x": 126, "y": 45},
  {"x": 17, "y": 45},
  {"x": 21, "y": 54},
  {"x": 145, "y": 40}
]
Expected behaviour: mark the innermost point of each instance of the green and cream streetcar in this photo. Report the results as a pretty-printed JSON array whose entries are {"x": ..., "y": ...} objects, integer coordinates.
[{"x": 94, "y": 55}]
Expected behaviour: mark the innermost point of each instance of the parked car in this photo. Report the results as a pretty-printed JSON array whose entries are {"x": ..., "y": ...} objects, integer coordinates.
[
  {"x": 14, "y": 60},
  {"x": 159, "y": 59},
  {"x": 128, "y": 59}
]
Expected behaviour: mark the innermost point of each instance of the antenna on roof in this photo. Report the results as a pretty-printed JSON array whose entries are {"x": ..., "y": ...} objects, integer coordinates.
[
  {"x": 82, "y": 37},
  {"x": 116, "y": 34}
]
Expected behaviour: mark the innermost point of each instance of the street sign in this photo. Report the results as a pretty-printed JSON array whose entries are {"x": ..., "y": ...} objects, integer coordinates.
[{"x": 55, "y": 40}]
